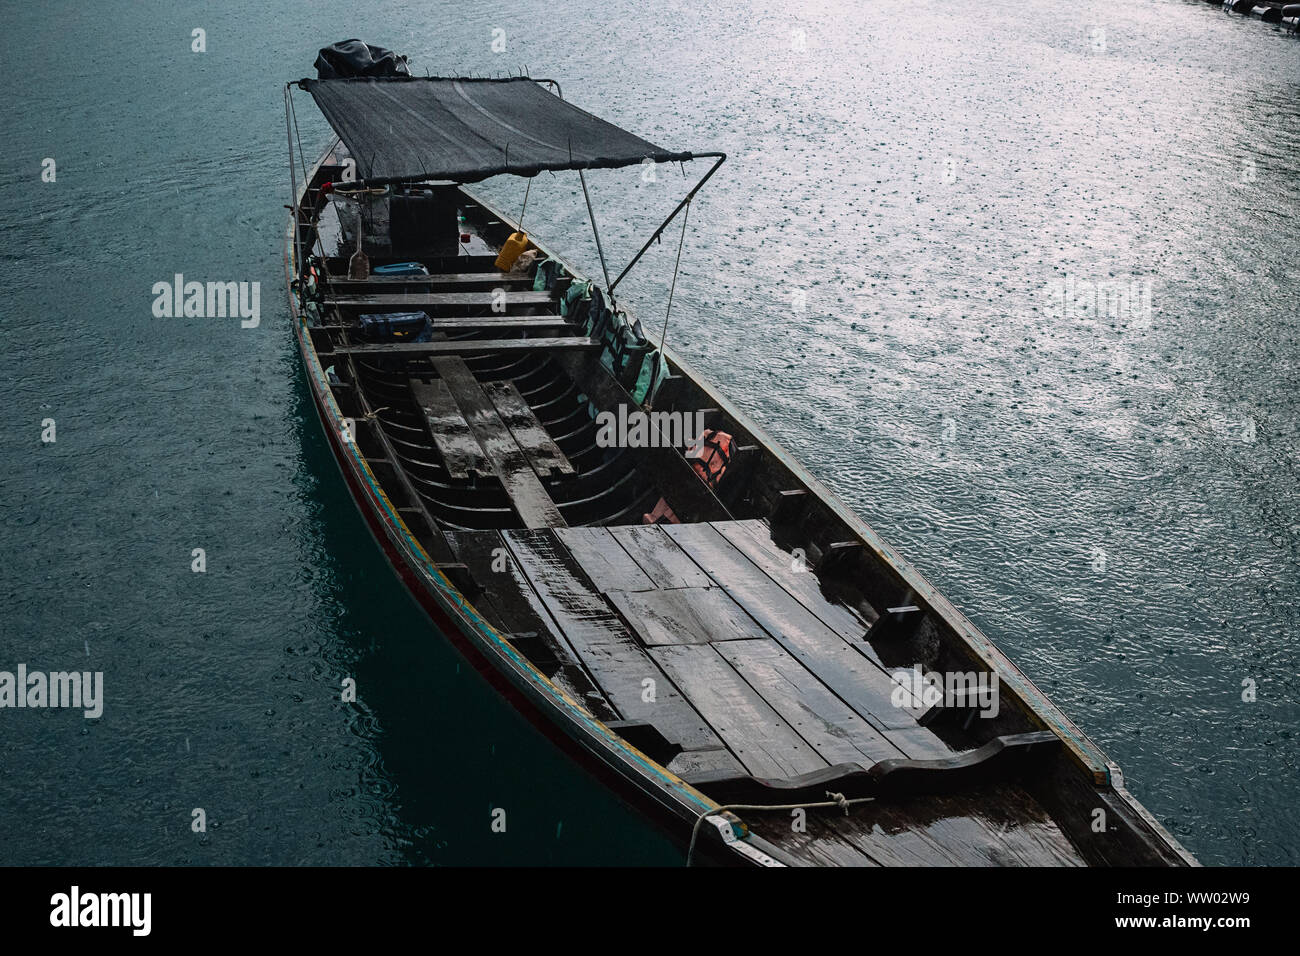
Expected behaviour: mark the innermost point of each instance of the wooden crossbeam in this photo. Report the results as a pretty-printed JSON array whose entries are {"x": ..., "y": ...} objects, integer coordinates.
[
  {"x": 433, "y": 281},
  {"x": 486, "y": 299},
  {"x": 470, "y": 347},
  {"x": 556, "y": 323}
]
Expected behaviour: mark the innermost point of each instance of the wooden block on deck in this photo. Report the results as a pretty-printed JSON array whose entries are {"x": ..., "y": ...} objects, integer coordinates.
[
  {"x": 542, "y": 452},
  {"x": 691, "y": 762},
  {"x": 455, "y": 441},
  {"x": 527, "y": 495}
]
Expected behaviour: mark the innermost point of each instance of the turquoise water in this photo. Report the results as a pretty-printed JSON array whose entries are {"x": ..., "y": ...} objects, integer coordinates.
[{"x": 1112, "y": 498}]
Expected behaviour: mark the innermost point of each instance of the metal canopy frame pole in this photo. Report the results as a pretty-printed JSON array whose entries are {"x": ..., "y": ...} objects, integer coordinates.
[
  {"x": 293, "y": 176},
  {"x": 599, "y": 251},
  {"x": 721, "y": 158}
]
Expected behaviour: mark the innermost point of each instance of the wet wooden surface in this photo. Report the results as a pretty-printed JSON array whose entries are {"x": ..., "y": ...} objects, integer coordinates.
[
  {"x": 635, "y": 594},
  {"x": 747, "y": 679},
  {"x": 608, "y": 650},
  {"x": 996, "y": 825},
  {"x": 527, "y": 494},
  {"x": 439, "y": 280},
  {"x": 865, "y": 687},
  {"x": 684, "y": 616},
  {"x": 660, "y": 557},
  {"x": 509, "y": 602},
  {"x": 529, "y": 434},
  {"x": 754, "y": 540},
  {"x": 609, "y": 566},
  {"x": 461, "y": 453},
  {"x": 763, "y": 742},
  {"x": 832, "y": 727},
  {"x": 486, "y": 299}
]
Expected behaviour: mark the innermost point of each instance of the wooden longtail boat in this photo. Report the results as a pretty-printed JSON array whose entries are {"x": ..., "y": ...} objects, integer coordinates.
[{"x": 757, "y": 646}]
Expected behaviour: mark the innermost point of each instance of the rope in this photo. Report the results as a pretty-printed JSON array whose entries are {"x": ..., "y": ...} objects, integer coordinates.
[
  {"x": 302, "y": 157},
  {"x": 836, "y": 800},
  {"x": 595, "y": 234},
  {"x": 673, "y": 288},
  {"x": 527, "y": 189}
]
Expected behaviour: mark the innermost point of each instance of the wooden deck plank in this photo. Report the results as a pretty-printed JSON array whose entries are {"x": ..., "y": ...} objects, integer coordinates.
[
  {"x": 539, "y": 447},
  {"x": 861, "y": 684},
  {"x": 689, "y": 763},
  {"x": 437, "y": 280},
  {"x": 832, "y": 728},
  {"x": 461, "y": 453},
  {"x": 606, "y": 647},
  {"x": 511, "y": 604},
  {"x": 660, "y": 557},
  {"x": 484, "y": 299},
  {"x": 469, "y": 346},
  {"x": 685, "y": 616},
  {"x": 754, "y": 539},
  {"x": 527, "y": 495},
  {"x": 556, "y": 323},
  {"x": 760, "y": 739},
  {"x": 994, "y": 826},
  {"x": 822, "y": 845},
  {"x": 604, "y": 560}
]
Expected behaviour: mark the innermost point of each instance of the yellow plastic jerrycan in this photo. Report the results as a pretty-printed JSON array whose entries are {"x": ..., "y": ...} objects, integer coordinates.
[{"x": 510, "y": 250}]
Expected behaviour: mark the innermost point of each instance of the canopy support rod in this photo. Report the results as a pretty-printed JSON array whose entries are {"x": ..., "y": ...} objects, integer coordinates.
[
  {"x": 721, "y": 158},
  {"x": 527, "y": 190},
  {"x": 663, "y": 336},
  {"x": 599, "y": 251},
  {"x": 293, "y": 176}
]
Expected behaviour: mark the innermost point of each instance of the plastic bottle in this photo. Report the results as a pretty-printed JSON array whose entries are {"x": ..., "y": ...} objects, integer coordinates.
[{"x": 510, "y": 251}]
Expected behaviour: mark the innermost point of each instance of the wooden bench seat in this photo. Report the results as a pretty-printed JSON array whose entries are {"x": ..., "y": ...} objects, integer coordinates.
[
  {"x": 439, "y": 281},
  {"x": 547, "y": 323},
  {"x": 468, "y": 347},
  {"x": 485, "y": 299}
]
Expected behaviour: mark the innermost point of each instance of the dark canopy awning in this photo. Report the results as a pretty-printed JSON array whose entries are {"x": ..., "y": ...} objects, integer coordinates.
[{"x": 465, "y": 130}]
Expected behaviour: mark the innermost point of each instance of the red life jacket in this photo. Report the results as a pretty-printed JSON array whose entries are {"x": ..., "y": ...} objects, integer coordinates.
[
  {"x": 661, "y": 515},
  {"x": 710, "y": 464},
  {"x": 714, "y": 456}
]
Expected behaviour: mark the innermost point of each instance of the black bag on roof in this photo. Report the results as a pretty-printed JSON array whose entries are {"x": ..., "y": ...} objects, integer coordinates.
[{"x": 354, "y": 58}]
